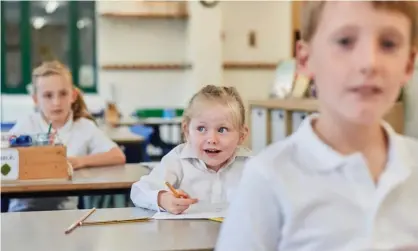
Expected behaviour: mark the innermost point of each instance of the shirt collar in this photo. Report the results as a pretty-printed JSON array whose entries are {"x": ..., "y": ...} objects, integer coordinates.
[
  {"x": 400, "y": 158},
  {"x": 309, "y": 142},
  {"x": 331, "y": 159}
]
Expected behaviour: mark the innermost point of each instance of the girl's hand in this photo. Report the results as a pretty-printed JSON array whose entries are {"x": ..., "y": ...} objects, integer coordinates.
[
  {"x": 169, "y": 202},
  {"x": 76, "y": 162}
]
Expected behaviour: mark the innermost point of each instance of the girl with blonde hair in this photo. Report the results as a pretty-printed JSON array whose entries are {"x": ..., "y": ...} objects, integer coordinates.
[
  {"x": 62, "y": 106},
  {"x": 208, "y": 166}
]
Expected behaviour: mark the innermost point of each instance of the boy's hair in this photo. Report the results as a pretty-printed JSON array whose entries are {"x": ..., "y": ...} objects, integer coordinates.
[
  {"x": 223, "y": 95},
  {"x": 51, "y": 68},
  {"x": 311, "y": 13}
]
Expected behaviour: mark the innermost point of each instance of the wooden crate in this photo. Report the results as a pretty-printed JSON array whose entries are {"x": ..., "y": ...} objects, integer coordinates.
[{"x": 43, "y": 162}]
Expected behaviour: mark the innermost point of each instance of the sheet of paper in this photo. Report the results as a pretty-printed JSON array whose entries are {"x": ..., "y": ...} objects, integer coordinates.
[{"x": 196, "y": 211}]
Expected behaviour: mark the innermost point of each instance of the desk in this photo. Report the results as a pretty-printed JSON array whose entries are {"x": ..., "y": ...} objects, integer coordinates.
[
  {"x": 40, "y": 231},
  {"x": 96, "y": 180},
  {"x": 130, "y": 121},
  {"x": 122, "y": 135},
  {"x": 131, "y": 144},
  {"x": 156, "y": 124}
]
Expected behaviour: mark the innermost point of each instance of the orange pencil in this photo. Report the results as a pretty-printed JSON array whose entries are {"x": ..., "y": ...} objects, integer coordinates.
[
  {"x": 79, "y": 222},
  {"x": 173, "y": 190}
]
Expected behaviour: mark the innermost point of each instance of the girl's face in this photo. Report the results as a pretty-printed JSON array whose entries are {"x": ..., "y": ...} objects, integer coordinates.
[
  {"x": 213, "y": 136},
  {"x": 54, "y": 97}
]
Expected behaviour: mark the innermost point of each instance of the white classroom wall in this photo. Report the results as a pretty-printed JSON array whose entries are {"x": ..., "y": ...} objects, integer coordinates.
[
  {"x": 271, "y": 22},
  {"x": 144, "y": 41}
]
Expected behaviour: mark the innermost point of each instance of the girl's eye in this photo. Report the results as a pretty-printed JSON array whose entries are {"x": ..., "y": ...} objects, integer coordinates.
[
  {"x": 63, "y": 93},
  {"x": 201, "y": 128},
  {"x": 345, "y": 42},
  {"x": 223, "y": 130}
]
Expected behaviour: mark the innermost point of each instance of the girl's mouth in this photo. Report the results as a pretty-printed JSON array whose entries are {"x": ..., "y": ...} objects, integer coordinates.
[{"x": 212, "y": 151}]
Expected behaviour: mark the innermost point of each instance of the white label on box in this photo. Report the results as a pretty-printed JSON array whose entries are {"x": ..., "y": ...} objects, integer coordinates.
[{"x": 9, "y": 164}]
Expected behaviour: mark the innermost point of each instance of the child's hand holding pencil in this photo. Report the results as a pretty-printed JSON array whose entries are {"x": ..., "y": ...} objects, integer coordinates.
[{"x": 175, "y": 201}]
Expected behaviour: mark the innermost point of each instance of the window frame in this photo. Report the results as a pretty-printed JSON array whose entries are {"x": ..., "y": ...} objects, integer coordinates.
[{"x": 26, "y": 47}]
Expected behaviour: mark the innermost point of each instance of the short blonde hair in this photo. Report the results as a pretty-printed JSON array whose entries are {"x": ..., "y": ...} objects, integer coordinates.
[
  {"x": 223, "y": 95},
  {"x": 51, "y": 68},
  {"x": 311, "y": 13}
]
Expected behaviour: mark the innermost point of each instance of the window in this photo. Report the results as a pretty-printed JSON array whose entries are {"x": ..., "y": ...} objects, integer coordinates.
[{"x": 36, "y": 31}]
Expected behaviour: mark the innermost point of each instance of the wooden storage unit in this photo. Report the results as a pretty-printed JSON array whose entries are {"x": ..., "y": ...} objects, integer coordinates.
[{"x": 262, "y": 112}]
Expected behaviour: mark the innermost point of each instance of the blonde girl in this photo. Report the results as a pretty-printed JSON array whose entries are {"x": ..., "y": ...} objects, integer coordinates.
[
  {"x": 208, "y": 166},
  {"x": 60, "y": 104}
]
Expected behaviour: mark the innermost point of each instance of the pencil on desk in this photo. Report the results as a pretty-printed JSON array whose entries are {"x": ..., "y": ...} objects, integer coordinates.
[
  {"x": 94, "y": 223},
  {"x": 79, "y": 222}
]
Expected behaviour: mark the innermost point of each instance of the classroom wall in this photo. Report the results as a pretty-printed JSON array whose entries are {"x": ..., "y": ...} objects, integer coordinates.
[
  {"x": 138, "y": 40},
  {"x": 142, "y": 41},
  {"x": 271, "y": 22}
]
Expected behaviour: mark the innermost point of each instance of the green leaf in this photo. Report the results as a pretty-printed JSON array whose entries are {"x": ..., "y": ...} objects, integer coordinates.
[{"x": 5, "y": 169}]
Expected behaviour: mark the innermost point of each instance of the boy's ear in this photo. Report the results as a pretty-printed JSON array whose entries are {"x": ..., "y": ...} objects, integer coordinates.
[
  {"x": 302, "y": 59},
  {"x": 243, "y": 134},
  {"x": 410, "y": 66},
  {"x": 35, "y": 99}
]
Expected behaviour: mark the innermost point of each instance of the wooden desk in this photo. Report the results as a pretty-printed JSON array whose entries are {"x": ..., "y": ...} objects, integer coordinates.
[
  {"x": 97, "y": 180},
  {"x": 122, "y": 135},
  {"x": 129, "y": 121},
  {"x": 39, "y": 231}
]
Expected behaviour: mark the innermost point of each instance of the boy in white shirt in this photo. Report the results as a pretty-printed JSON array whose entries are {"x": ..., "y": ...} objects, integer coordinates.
[
  {"x": 208, "y": 166},
  {"x": 345, "y": 180},
  {"x": 62, "y": 105}
]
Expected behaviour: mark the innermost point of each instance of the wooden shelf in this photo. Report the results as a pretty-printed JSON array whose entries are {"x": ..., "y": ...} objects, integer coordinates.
[
  {"x": 145, "y": 15},
  {"x": 395, "y": 117},
  {"x": 155, "y": 66},
  {"x": 249, "y": 66},
  {"x": 292, "y": 104}
]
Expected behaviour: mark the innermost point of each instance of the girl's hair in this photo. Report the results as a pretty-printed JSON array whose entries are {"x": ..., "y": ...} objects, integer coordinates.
[
  {"x": 228, "y": 96},
  {"x": 51, "y": 68}
]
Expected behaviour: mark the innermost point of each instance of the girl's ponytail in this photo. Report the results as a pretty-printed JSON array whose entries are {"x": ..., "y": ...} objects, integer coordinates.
[{"x": 79, "y": 108}]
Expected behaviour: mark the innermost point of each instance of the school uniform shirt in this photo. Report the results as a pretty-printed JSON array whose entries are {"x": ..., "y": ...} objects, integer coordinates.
[
  {"x": 184, "y": 170},
  {"x": 81, "y": 138},
  {"x": 301, "y": 195}
]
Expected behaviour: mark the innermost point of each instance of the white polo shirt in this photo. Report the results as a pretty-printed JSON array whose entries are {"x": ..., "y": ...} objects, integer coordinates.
[
  {"x": 299, "y": 194},
  {"x": 81, "y": 137},
  {"x": 184, "y": 170}
]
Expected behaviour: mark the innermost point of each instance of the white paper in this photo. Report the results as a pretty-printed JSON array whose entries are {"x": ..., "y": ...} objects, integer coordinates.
[{"x": 195, "y": 211}]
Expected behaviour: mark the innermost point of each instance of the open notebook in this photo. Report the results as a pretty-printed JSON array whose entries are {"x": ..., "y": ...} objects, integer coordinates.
[{"x": 197, "y": 211}]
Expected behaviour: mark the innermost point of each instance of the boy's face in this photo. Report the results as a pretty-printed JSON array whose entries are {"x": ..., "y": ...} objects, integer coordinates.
[
  {"x": 213, "y": 136},
  {"x": 359, "y": 57}
]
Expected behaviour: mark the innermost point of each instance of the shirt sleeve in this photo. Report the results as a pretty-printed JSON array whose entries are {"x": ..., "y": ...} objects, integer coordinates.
[
  {"x": 99, "y": 142},
  {"x": 144, "y": 193},
  {"x": 254, "y": 217}
]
